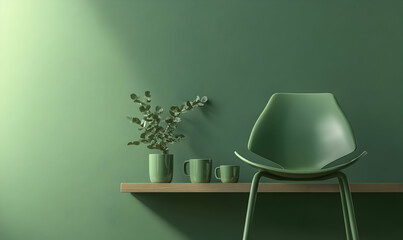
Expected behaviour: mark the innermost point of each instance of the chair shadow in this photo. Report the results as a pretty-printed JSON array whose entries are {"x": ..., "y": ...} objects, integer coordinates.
[{"x": 283, "y": 216}]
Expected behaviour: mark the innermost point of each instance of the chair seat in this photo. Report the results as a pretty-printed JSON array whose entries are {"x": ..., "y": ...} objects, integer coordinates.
[{"x": 300, "y": 174}]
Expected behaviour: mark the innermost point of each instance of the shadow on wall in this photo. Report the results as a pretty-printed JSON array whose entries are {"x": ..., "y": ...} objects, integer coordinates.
[
  {"x": 240, "y": 52},
  {"x": 196, "y": 125},
  {"x": 283, "y": 216}
]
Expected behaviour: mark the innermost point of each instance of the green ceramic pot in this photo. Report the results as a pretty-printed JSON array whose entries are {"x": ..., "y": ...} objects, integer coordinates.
[{"x": 161, "y": 168}]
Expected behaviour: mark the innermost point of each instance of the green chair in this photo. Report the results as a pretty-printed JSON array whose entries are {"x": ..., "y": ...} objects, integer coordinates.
[{"x": 303, "y": 133}]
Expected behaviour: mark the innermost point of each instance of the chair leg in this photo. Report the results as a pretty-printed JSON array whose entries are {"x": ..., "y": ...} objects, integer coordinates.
[
  {"x": 345, "y": 210},
  {"x": 350, "y": 207},
  {"x": 251, "y": 204}
]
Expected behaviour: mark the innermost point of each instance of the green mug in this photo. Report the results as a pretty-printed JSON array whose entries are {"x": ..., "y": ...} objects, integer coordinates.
[
  {"x": 199, "y": 170},
  {"x": 228, "y": 173}
]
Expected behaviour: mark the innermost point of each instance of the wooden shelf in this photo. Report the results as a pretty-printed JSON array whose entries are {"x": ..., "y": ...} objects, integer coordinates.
[{"x": 263, "y": 187}]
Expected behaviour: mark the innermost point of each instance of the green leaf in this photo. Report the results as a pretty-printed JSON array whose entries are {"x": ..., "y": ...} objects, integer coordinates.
[
  {"x": 148, "y": 94},
  {"x": 175, "y": 109},
  {"x": 133, "y": 143},
  {"x": 204, "y": 99},
  {"x": 159, "y": 109},
  {"x": 133, "y": 96},
  {"x": 136, "y": 120},
  {"x": 151, "y": 147},
  {"x": 169, "y": 120},
  {"x": 143, "y": 135}
]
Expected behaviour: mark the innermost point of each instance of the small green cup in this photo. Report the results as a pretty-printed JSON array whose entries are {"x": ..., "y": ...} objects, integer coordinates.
[
  {"x": 228, "y": 173},
  {"x": 199, "y": 170}
]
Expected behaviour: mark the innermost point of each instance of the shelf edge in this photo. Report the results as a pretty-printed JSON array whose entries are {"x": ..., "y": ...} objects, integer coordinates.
[{"x": 263, "y": 187}]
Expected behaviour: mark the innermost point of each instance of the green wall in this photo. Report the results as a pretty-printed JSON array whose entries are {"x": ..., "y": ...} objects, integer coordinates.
[{"x": 67, "y": 69}]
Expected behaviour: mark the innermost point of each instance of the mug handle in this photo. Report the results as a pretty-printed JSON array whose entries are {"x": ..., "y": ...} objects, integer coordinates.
[
  {"x": 184, "y": 167},
  {"x": 216, "y": 172}
]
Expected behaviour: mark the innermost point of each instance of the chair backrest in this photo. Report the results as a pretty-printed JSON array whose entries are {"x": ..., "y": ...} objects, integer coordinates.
[{"x": 302, "y": 131}]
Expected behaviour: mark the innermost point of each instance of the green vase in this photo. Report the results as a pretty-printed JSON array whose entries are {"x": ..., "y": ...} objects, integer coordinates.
[{"x": 161, "y": 168}]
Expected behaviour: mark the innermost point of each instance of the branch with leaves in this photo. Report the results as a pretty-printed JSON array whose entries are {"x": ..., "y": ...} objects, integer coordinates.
[{"x": 157, "y": 132}]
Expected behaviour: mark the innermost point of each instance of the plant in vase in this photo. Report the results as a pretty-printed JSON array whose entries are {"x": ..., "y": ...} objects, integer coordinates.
[{"x": 158, "y": 131}]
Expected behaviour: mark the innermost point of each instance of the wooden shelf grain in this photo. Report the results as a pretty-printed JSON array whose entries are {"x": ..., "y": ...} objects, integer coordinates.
[{"x": 263, "y": 187}]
